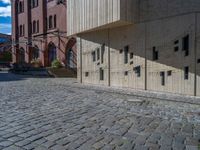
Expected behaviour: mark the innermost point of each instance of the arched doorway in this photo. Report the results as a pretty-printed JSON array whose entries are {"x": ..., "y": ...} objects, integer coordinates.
[
  {"x": 21, "y": 55},
  {"x": 35, "y": 52},
  {"x": 52, "y": 54},
  {"x": 70, "y": 55},
  {"x": 70, "y": 58}
]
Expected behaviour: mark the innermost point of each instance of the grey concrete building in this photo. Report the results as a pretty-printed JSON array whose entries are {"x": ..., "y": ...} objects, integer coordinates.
[{"x": 142, "y": 44}]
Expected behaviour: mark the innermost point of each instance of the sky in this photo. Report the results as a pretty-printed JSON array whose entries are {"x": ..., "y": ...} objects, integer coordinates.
[{"x": 5, "y": 17}]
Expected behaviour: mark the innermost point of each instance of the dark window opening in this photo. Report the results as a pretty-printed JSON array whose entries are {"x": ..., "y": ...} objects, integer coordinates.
[
  {"x": 155, "y": 54},
  {"x": 185, "y": 45},
  {"x": 137, "y": 71},
  {"x": 38, "y": 26},
  {"x": 50, "y": 22},
  {"x": 176, "y": 48},
  {"x": 198, "y": 61},
  {"x": 55, "y": 21},
  {"x": 131, "y": 55},
  {"x": 102, "y": 53},
  {"x": 126, "y": 73},
  {"x": 120, "y": 51},
  {"x": 86, "y": 74},
  {"x": 169, "y": 73},
  {"x": 186, "y": 73},
  {"x": 34, "y": 3},
  {"x": 21, "y": 7},
  {"x": 176, "y": 42},
  {"x": 93, "y": 56},
  {"x": 34, "y": 27},
  {"x": 101, "y": 72},
  {"x": 162, "y": 74},
  {"x": 126, "y": 50},
  {"x": 98, "y": 53}
]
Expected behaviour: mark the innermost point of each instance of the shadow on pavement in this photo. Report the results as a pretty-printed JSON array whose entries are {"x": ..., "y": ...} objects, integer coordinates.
[{"x": 6, "y": 76}]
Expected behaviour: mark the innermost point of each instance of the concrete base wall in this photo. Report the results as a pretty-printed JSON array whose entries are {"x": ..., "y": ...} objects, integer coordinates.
[{"x": 141, "y": 38}]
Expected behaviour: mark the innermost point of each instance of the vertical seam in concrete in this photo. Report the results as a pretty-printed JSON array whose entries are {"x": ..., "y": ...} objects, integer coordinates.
[
  {"x": 108, "y": 57},
  {"x": 195, "y": 57},
  {"x": 145, "y": 43},
  {"x": 81, "y": 66}
]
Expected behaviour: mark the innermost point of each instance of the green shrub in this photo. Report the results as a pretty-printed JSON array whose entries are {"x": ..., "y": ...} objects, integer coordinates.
[{"x": 56, "y": 64}]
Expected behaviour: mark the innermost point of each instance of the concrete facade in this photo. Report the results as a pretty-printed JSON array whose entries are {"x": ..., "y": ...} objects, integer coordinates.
[
  {"x": 39, "y": 31},
  {"x": 157, "y": 50}
]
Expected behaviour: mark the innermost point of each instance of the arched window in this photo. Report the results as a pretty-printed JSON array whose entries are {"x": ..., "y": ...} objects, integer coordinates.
[
  {"x": 38, "y": 26},
  {"x": 20, "y": 6},
  {"x": 21, "y": 55},
  {"x": 34, "y": 26},
  {"x": 52, "y": 53},
  {"x": 50, "y": 22},
  {"x": 20, "y": 30},
  {"x": 34, "y": 3},
  {"x": 35, "y": 52},
  {"x": 55, "y": 21}
]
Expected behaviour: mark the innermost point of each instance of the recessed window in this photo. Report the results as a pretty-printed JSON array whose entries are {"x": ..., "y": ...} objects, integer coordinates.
[
  {"x": 34, "y": 3},
  {"x": 20, "y": 6},
  {"x": 126, "y": 50},
  {"x": 93, "y": 56},
  {"x": 176, "y": 42},
  {"x": 38, "y": 26},
  {"x": 98, "y": 53},
  {"x": 169, "y": 73},
  {"x": 86, "y": 74},
  {"x": 186, "y": 73},
  {"x": 50, "y": 22},
  {"x": 198, "y": 61},
  {"x": 102, "y": 52},
  {"x": 131, "y": 55},
  {"x": 176, "y": 48},
  {"x": 137, "y": 70},
  {"x": 185, "y": 45},
  {"x": 155, "y": 54},
  {"x": 55, "y": 21},
  {"x": 120, "y": 51},
  {"x": 126, "y": 73},
  {"x": 34, "y": 26},
  {"x": 162, "y": 75},
  {"x": 101, "y": 73}
]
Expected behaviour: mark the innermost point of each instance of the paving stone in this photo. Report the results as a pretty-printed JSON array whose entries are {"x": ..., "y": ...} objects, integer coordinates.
[
  {"x": 13, "y": 147},
  {"x": 5, "y": 143},
  {"x": 51, "y": 113}
]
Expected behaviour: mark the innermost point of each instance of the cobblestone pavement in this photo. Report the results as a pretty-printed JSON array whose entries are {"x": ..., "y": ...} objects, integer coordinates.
[{"x": 59, "y": 114}]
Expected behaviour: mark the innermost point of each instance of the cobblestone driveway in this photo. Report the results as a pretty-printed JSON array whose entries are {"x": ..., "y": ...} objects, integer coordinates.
[{"x": 59, "y": 114}]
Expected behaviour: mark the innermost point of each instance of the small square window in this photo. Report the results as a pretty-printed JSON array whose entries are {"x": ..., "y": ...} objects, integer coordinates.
[
  {"x": 176, "y": 42},
  {"x": 126, "y": 73},
  {"x": 169, "y": 73},
  {"x": 198, "y": 61},
  {"x": 120, "y": 51},
  {"x": 176, "y": 48}
]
